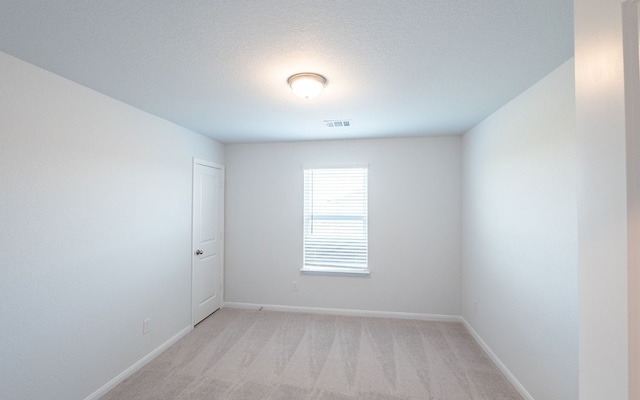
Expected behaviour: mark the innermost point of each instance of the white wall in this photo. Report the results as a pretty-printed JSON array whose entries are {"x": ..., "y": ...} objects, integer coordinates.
[
  {"x": 519, "y": 236},
  {"x": 414, "y": 225},
  {"x": 602, "y": 206},
  {"x": 95, "y": 231}
]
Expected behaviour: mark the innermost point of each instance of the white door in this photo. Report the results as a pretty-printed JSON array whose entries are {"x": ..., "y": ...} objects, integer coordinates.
[{"x": 206, "y": 265}]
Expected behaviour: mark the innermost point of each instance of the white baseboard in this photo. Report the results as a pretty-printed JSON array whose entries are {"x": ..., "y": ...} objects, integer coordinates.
[
  {"x": 141, "y": 363},
  {"x": 497, "y": 361},
  {"x": 340, "y": 311}
]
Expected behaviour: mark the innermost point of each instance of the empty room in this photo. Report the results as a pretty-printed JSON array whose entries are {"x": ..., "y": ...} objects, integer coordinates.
[{"x": 299, "y": 200}]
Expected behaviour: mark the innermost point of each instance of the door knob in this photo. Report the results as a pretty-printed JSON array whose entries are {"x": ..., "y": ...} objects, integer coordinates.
[{"x": 199, "y": 252}]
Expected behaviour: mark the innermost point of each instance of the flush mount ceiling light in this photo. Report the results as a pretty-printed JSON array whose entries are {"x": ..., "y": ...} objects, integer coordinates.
[{"x": 307, "y": 85}]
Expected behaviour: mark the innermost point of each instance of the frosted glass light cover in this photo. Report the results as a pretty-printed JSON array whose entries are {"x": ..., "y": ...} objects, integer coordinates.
[{"x": 307, "y": 85}]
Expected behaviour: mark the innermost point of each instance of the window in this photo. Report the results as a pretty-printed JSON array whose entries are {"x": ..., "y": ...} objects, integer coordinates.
[{"x": 335, "y": 220}]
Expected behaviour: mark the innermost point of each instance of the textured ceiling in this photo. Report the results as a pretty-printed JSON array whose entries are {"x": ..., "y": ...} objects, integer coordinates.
[{"x": 395, "y": 68}]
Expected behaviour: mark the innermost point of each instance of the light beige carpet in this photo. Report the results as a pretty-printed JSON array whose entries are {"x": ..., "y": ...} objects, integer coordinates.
[{"x": 244, "y": 354}]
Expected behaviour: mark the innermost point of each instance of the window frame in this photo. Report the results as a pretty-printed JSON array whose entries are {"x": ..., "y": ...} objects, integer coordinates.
[{"x": 335, "y": 269}]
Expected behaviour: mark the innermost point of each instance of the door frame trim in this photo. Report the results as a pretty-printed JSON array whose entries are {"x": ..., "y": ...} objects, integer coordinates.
[
  {"x": 631, "y": 33},
  {"x": 206, "y": 163}
]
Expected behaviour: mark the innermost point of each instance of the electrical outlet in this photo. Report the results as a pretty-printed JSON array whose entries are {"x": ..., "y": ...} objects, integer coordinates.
[
  {"x": 146, "y": 326},
  {"x": 294, "y": 286}
]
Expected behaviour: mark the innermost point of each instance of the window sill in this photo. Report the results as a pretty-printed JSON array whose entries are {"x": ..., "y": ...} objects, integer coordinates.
[{"x": 335, "y": 271}]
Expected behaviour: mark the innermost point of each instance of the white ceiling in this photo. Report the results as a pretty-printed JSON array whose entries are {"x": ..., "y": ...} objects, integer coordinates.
[{"x": 395, "y": 68}]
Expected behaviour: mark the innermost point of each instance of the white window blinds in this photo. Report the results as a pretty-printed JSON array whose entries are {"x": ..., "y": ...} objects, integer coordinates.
[{"x": 335, "y": 218}]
